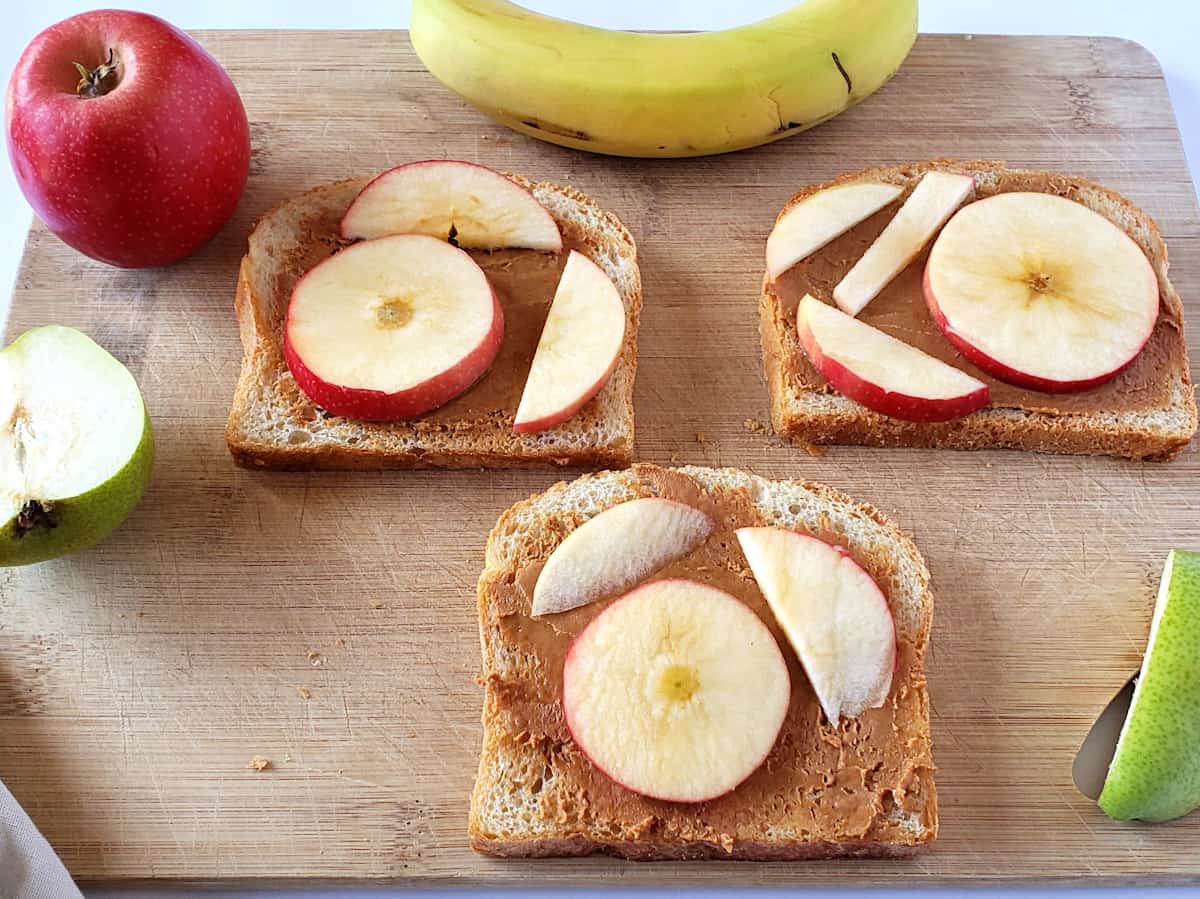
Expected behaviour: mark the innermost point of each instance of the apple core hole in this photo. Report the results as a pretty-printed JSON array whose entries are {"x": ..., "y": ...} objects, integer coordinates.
[
  {"x": 1039, "y": 282},
  {"x": 393, "y": 313},
  {"x": 678, "y": 683}
]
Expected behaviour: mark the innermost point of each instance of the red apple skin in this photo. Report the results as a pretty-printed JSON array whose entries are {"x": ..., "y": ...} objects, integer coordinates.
[
  {"x": 567, "y": 664},
  {"x": 1010, "y": 375},
  {"x": 559, "y": 416},
  {"x": 142, "y": 175},
  {"x": 895, "y": 405},
  {"x": 376, "y": 405}
]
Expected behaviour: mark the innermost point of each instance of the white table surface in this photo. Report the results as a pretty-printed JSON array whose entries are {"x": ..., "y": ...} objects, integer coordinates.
[{"x": 1169, "y": 28}]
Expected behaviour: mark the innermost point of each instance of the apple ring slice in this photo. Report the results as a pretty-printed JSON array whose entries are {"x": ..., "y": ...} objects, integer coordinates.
[
  {"x": 391, "y": 328},
  {"x": 1041, "y": 291},
  {"x": 676, "y": 691}
]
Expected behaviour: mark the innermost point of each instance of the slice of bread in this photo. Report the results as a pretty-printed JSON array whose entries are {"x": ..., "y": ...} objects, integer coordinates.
[
  {"x": 805, "y": 410},
  {"x": 863, "y": 788},
  {"x": 274, "y": 425}
]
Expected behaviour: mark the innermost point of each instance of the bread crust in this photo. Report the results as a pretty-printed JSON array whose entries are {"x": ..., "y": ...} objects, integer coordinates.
[
  {"x": 559, "y": 509},
  {"x": 601, "y": 437},
  {"x": 651, "y": 851},
  {"x": 809, "y": 417}
]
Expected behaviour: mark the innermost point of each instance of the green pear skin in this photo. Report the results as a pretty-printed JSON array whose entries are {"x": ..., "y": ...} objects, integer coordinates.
[
  {"x": 86, "y": 518},
  {"x": 83, "y": 520},
  {"x": 1155, "y": 772}
]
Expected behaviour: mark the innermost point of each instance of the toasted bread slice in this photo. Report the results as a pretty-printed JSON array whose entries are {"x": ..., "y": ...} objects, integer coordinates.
[
  {"x": 274, "y": 425},
  {"x": 1157, "y": 423},
  {"x": 862, "y": 788}
]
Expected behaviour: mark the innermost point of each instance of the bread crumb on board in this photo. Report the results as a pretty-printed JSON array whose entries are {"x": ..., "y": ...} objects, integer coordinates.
[
  {"x": 315, "y": 658},
  {"x": 754, "y": 426},
  {"x": 304, "y": 692},
  {"x": 259, "y": 763},
  {"x": 701, "y": 437}
]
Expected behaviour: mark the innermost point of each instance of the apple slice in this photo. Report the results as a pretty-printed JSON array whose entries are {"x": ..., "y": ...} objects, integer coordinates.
[
  {"x": 76, "y": 448},
  {"x": 818, "y": 219},
  {"x": 881, "y": 372},
  {"x": 578, "y": 350},
  {"x": 1041, "y": 291},
  {"x": 391, "y": 328},
  {"x": 834, "y": 614},
  {"x": 610, "y": 553},
  {"x": 479, "y": 207},
  {"x": 932, "y": 201},
  {"x": 676, "y": 691}
]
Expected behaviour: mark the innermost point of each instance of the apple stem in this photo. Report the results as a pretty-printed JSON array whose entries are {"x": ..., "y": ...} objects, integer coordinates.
[{"x": 91, "y": 81}]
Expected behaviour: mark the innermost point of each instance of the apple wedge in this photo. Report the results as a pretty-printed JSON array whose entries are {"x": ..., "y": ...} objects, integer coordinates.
[
  {"x": 818, "y": 219},
  {"x": 677, "y": 691},
  {"x": 1041, "y": 291},
  {"x": 881, "y": 372},
  {"x": 76, "y": 448},
  {"x": 578, "y": 350},
  {"x": 610, "y": 553},
  {"x": 478, "y": 207},
  {"x": 927, "y": 208},
  {"x": 834, "y": 614},
  {"x": 391, "y": 328}
]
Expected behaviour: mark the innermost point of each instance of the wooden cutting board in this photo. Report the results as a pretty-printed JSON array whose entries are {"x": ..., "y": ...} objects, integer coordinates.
[{"x": 137, "y": 680}]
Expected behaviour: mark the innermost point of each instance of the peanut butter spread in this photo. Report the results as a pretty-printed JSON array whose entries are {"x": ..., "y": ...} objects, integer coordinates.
[
  {"x": 900, "y": 310},
  {"x": 820, "y": 782},
  {"x": 524, "y": 281}
]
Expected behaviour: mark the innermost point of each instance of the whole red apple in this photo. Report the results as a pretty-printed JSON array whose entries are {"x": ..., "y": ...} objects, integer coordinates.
[{"x": 127, "y": 137}]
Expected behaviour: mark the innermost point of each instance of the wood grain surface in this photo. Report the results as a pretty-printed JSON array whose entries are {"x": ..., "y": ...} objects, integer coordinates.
[{"x": 137, "y": 680}]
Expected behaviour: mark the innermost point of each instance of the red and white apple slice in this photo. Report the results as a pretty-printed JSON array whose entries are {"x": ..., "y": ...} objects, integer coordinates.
[
  {"x": 391, "y": 328},
  {"x": 818, "y": 219},
  {"x": 613, "y": 551},
  {"x": 1041, "y": 291},
  {"x": 480, "y": 207},
  {"x": 834, "y": 614},
  {"x": 932, "y": 201},
  {"x": 578, "y": 350},
  {"x": 881, "y": 372},
  {"x": 677, "y": 691}
]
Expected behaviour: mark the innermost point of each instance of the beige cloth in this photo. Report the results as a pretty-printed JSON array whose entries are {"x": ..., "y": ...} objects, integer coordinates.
[{"x": 29, "y": 869}]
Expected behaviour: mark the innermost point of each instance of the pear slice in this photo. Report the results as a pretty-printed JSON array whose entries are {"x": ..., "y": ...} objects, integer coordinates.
[
  {"x": 1155, "y": 771},
  {"x": 76, "y": 447}
]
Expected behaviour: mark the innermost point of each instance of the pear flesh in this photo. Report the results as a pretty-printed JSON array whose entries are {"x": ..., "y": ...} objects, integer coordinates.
[{"x": 76, "y": 448}]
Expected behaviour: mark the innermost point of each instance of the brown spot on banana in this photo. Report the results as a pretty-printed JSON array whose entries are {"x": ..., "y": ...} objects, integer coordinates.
[
  {"x": 560, "y": 130},
  {"x": 845, "y": 75}
]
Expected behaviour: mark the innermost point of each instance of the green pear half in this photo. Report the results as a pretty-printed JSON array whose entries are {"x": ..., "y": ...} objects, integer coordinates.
[
  {"x": 76, "y": 447},
  {"x": 1155, "y": 771}
]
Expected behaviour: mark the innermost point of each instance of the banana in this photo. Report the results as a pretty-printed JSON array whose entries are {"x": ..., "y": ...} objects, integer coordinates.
[{"x": 641, "y": 94}]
